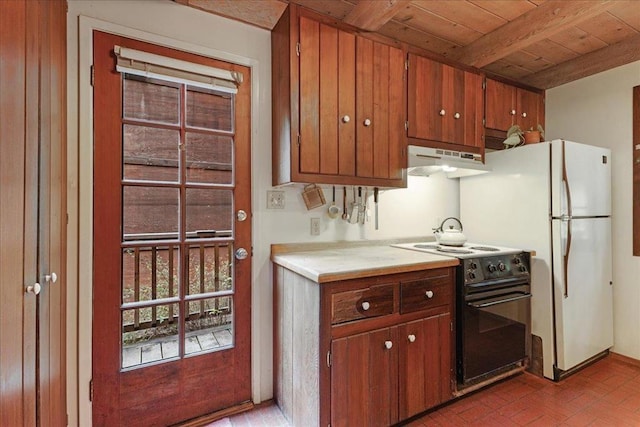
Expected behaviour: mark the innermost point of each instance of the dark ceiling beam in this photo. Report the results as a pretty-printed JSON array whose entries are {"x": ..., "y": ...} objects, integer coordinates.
[
  {"x": 621, "y": 53},
  {"x": 371, "y": 15},
  {"x": 538, "y": 24}
]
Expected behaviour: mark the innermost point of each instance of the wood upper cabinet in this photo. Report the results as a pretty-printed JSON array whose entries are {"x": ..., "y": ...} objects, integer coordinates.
[
  {"x": 506, "y": 105},
  {"x": 444, "y": 104},
  {"x": 338, "y": 105}
]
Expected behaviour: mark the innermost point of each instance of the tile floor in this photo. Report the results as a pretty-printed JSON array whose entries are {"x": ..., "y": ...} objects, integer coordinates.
[{"x": 606, "y": 393}]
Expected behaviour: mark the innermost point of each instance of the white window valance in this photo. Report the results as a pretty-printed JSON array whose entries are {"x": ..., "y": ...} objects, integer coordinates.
[{"x": 150, "y": 65}]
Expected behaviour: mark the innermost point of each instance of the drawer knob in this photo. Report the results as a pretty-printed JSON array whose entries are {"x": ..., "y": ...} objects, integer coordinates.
[
  {"x": 442, "y": 112},
  {"x": 456, "y": 116},
  {"x": 365, "y": 306},
  {"x": 367, "y": 122},
  {"x": 429, "y": 294},
  {"x": 513, "y": 112},
  {"x": 524, "y": 114},
  {"x": 388, "y": 345},
  {"x": 411, "y": 338},
  {"x": 346, "y": 119}
]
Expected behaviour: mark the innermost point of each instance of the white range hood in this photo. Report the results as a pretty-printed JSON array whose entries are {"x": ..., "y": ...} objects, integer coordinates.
[{"x": 425, "y": 161}]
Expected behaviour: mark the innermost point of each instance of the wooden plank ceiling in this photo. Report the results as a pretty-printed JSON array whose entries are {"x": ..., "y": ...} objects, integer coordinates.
[{"x": 539, "y": 43}]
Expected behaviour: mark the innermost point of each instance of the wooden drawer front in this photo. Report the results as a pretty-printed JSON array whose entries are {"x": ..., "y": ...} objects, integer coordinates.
[
  {"x": 352, "y": 305},
  {"x": 426, "y": 293}
]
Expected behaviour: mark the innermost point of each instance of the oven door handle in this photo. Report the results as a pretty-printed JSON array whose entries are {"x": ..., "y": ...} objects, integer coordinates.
[{"x": 499, "y": 301}]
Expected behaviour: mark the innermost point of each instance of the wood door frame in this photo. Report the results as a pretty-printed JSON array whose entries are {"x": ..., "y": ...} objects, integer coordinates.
[{"x": 80, "y": 239}]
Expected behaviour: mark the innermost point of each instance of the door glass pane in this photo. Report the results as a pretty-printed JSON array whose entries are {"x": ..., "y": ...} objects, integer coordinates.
[
  {"x": 150, "y": 153},
  {"x": 209, "y": 109},
  {"x": 149, "y": 334},
  {"x": 209, "y": 158},
  {"x": 149, "y": 273},
  {"x": 209, "y": 268},
  {"x": 209, "y": 325},
  {"x": 150, "y": 99},
  {"x": 209, "y": 213},
  {"x": 150, "y": 212}
]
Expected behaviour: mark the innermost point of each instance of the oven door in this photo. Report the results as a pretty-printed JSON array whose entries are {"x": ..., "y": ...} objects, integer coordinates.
[{"x": 493, "y": 326}]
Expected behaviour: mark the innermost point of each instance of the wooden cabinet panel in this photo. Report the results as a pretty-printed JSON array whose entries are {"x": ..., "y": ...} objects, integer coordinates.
[
  {"x": 423, "y": 294},
  {"x": 361, "y": 304},
  {"x": 506, "y": 105},
  {"x": 350, "y": 96},
  {"x": 444, "y": 103},
  {"x": 425, "y": 364},
  {"x": 364, "y": 379}
]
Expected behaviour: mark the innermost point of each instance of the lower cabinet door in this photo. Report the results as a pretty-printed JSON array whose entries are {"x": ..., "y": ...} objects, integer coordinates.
[
  {"x": 364, "y": 379},
  {"x": 424, "y": 364}
]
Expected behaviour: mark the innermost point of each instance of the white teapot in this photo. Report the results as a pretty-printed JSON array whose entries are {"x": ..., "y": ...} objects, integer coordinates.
[{"x": 451, "y": 236}]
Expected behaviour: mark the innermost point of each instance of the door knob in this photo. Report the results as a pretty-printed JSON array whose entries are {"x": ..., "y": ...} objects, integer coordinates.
[
  {"x": 241, "y": 215},
  {"x": 367, "y": 122},
  {"x": 346, "y": 119},
  {"x": 524, "y": 114},
  {"x": 411, "y": 338},
  {"x": 456, "y": 116},
  {"x": 34, "y": 289},
  {"x": 513, "y": 112},
  {"x": 442, "y": 112},
  {"x": 53, "y": 277},
  {"x": 388, "y": 345},
  {"x": 241, "y": 253}
]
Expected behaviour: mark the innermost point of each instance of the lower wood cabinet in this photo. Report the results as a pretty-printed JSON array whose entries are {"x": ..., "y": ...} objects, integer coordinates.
[{"x": 348, "y": 354}]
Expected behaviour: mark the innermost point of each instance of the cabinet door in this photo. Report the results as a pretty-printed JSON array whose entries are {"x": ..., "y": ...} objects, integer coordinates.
[
  {"x": 364, "y": 379},
  {"x": 379, "y": 118},
  {"x": 425, "y": 364},
  {"x": 530, "y": 109},
  {"x": 500, "y": 105},
  {"x": 445, "y": 103}
]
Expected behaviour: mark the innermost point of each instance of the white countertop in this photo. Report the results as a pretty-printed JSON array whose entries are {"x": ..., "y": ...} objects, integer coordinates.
[{"x": 341, "y": 263}]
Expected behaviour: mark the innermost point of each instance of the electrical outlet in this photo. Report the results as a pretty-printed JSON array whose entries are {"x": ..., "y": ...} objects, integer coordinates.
[
  {"x": 275, "y": 199},
  {"x": 315, "y": 226}
]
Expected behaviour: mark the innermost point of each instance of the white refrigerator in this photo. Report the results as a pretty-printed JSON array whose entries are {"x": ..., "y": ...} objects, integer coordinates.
[{"x": 553, "y": 198}]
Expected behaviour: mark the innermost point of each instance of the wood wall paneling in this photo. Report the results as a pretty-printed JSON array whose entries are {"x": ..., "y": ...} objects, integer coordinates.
[{"x": 636, "y": 171}]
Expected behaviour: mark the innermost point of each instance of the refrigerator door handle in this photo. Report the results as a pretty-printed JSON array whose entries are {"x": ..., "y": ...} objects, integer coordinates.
[
  {"x": 565, "y": 182},
  {"x": 565, "y": 257}
]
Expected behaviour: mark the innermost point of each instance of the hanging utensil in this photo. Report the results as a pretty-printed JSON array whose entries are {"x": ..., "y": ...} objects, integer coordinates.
[
  {"x": 334, "y": 211},
  {"x": 375, "y": 201},
  {"x": 367, "y": 214},
  {"x": 353, "y": 215},
  {"x": 360, "y": 205},
  {"x": 345, "y": 215}
]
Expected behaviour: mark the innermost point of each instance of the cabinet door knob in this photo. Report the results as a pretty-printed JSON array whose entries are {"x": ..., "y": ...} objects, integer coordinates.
[
  {"x": 366, "y": 305},
  {"x": 411, "y": 338},
  {"x": 513, "y": 112},
  {"x": 442, "y": 112},
  {"x": 346, "y": 119},
  {"x": 53, "y": 277},
  {"x": 429, "y": 294},
  {"x": 34, "y": 289},
  {"x": 456, "y": 116},
  {"x": 367, "y": 122},
  {"x": 524, "y": 114},
  {"x": 388, "y": 345}
]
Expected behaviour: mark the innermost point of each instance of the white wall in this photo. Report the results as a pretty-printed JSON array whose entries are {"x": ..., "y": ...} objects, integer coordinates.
[
  {"x": 597, "y": 110},
  {"x": 403, "y": 213}
]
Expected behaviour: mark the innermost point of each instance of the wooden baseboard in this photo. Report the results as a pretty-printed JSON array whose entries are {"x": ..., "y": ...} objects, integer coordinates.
[
  {"x": 625, "y": 359},
  {"x": 215, "y": 416}
]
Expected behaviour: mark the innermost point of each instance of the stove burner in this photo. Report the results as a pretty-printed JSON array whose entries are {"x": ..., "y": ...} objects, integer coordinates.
[
  {"x": 485, "y": 248},
  {"x": 426, "y": 246},
  {"x": 453, "y": 251}
]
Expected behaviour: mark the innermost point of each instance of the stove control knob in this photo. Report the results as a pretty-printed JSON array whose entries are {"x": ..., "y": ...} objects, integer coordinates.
[
  {"x": 522, "y": 268},
  {"x": 501, "y": 266},
  {"x": 517, "y": 260},
  {"x": 492, "y": 268},
  {"x": 472, "y": 275},
  {"x": 473, "y": 265}
]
